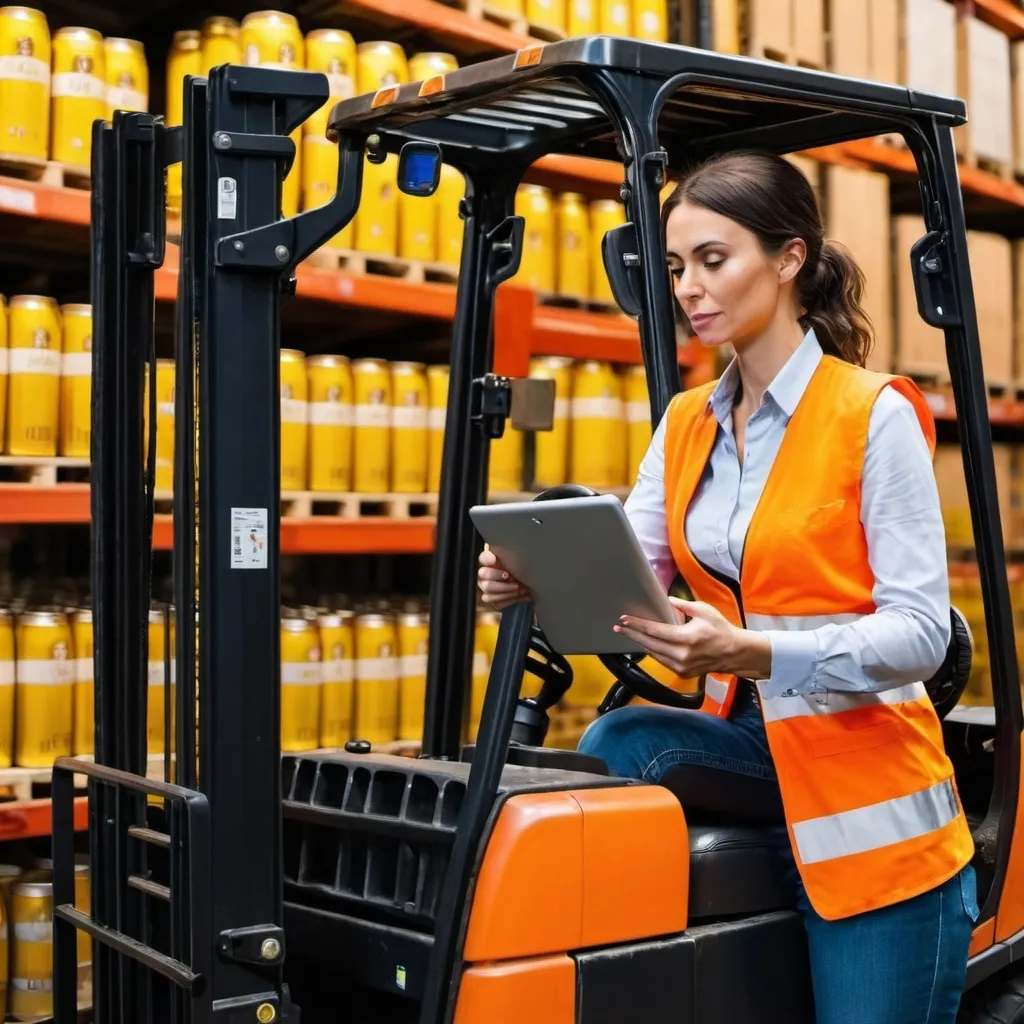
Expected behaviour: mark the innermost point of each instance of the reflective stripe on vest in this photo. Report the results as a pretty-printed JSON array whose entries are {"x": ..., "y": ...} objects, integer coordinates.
[{"x": 868, "y": 790}]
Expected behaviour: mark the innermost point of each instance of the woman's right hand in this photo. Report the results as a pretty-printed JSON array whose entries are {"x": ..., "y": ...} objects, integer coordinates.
[{"x": 499, "y": 587}]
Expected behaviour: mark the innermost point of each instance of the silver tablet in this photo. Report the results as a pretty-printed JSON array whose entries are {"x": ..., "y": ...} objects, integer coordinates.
[{"x": 583, "y": 565}]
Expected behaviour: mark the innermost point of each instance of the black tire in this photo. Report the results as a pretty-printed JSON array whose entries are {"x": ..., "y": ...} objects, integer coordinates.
[{"x": 997, "y": 1001}]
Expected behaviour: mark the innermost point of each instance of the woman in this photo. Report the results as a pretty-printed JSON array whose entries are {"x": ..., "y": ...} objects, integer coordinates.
[{"x": 796, "y": 497}]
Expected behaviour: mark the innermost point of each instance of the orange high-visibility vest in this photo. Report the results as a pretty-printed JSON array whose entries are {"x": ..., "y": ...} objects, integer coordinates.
[{"x": 871, "y": 805}]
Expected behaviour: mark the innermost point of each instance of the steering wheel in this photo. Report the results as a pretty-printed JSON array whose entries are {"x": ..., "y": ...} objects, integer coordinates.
[{"x": 632, "y": 680}]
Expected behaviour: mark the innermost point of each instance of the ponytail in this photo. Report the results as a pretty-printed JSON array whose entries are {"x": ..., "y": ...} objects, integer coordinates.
[{"x": 831, "y": 292}]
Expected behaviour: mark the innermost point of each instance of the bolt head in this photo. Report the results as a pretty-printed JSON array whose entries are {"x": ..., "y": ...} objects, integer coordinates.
[
  {"x": 281, "y": 252},
  {"x": 239, "y": 245},
  {"x": 373, "y": 140},
  {"x": 265, "y": 1013},
  {"x": 271, "y": 949},
  {"x": 222, "y": 140}
]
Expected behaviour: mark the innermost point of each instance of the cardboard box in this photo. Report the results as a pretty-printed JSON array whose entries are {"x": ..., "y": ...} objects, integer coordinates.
[
  {"x": 920, "y": 349},
  {"x": 857, "y": 214},
  {"x": 1017, "y": 90},
  {"x": 984, "y": 81},
  {"x": 809, "y": 33},
  {"x": 884, "y": 39},
  {"x": 991, "y": 259},
  {"x": 811, "y": 170},
  {"x": 927, "y": 43},
  {"x": 849, "y": 38},
  {"x": 953, "y": 496},
  {"x": 1018, "y": 311},
  {"x": 768, "y": 31}
]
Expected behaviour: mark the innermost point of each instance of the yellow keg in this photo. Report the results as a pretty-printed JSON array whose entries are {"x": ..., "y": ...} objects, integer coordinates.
[
  {"x": 320, "y": 182},
  {"x": 164, "y": 425},
  {"x": 300, "y": 684},
  {"x": 83, "y": 729},
  {"x": 83, "y": 903},
  {"x": 158, "y": 682},
  {"x": 379, "y": 64},
  {"x": 4, "y": 361},
  {"x": 75, "y": 380},
  {"x": 294, "y": 420},
  {"x": 485, "y": 640},
  {"x": 598, "y": 427},
  {"x": 5, "y": 963},
  {"x": 24, "y": 82},
  {"x": 330, "y": 423},
  {"x": 413, "y": 629},
  {"x": 376, "y": 223},
  {"x": 6, "y": 688},
  {"x": 43, "y": 689},
  {"x": 450, "y": 191},
  {"x": 573, "y": 278},
  {"x": 505, "y": 463},
  {"x": 430, "y": 63},
  {"x": 273, "y": 39},
  {"x": 417, "y": 227},
  {"x": 638, "y": 418},
  {"x": 408, "y": 428},
  {"x": 650, "y": 20},
  {"x": 220, "y": 43},
  {"x": 613, "y": 18},
  {"x": 30, "y": 995},
  {"x": 551, "y": 447},
  {"x": 581, "y": 18},
  {"x": 437, "y": 390},
  {"x": 605, "y": 214},
  {"x": 547, "y": 14},
  {"x": 79, "y": 92},
  {"x": 371, "y": 436},
  {"x": 33, "y": 401},
  {"x": 537, "y": 266},
  {"x": 507, "y": 6},
  {"x": 126, "y": 74},
  {"x": 376, "y": 717},
  {"x": 337, "y": 698},
  {"x": 185, "y": 58}
]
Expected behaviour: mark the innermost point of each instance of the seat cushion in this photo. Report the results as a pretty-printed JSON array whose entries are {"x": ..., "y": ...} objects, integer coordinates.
[{"x": 737, "y": 870}]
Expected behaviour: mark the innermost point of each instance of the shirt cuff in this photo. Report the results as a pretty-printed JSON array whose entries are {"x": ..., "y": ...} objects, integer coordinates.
[{"x": 794, "y": 662}]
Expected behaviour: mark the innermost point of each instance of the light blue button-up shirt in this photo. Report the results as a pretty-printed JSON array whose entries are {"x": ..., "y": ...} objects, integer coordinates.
[{"x": 905, "y": 639}]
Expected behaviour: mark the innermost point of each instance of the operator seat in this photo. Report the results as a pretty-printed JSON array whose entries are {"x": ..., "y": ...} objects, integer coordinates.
[{"x": 738, "y": 839}]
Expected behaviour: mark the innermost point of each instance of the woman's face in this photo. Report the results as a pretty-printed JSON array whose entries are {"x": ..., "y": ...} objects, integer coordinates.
[{"x": 730, "y": 289}]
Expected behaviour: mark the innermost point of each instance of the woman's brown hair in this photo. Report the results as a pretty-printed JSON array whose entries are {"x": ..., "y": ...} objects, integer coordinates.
[{"x": 772, "y": 198}]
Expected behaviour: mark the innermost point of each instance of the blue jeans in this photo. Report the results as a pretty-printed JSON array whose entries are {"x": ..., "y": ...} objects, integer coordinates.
[{"x": 902, "y": 964}]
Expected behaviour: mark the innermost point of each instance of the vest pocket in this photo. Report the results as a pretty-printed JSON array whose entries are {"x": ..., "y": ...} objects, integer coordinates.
[{"x": 848, "y": 740}]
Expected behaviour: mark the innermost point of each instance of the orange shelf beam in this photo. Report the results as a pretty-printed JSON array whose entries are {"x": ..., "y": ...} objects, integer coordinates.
[
  {"x": 32, "y": 199},
  {"x": 25, "y": 503},
  {"x": 1003, "y": 15},
  {"x": 28, "y": 819}
]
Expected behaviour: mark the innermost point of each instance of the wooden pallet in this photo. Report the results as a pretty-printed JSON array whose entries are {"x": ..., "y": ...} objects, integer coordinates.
[
  {"x": 483, "y": 11},
  {"x": 303, "y": 504},
  {"x": 574, "y": 302},
  {"x": 27, "y": 783},
  {"x": 45, "y": 172},
  {"x": 43, "y": 472},
  {"x": 365, "y": 264}
]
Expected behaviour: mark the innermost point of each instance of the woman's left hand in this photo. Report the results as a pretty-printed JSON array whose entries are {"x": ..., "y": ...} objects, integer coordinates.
[{"x": 702, "y": 641}]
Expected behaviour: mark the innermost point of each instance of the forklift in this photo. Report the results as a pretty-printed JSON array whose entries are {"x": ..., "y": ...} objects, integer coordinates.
[{"x": 503, "y": 882}]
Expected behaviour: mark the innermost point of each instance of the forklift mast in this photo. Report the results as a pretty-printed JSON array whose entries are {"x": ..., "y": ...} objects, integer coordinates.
[{"x": 191, "y": 872}]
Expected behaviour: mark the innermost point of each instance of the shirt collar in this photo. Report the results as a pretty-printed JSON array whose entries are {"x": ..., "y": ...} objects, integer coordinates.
[{"x": 785, "y": 390}]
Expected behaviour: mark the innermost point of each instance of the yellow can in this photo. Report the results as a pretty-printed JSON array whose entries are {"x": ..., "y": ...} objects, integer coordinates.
[
  {"x": 221, "y": 43},
  {"x": 157, "y": 680},
  {"x": 337, "y": 699},
  {"x": 437, "y": 391},
  {"x": 6, "y": 688},
  {"x": 450, "y": 191},
  {"x": 300, "y": 684},
  {"x": 24, "y": 82},
  {"x": 33, "y": 401},
  {"x": 507, "y": 6},
  {"x": 273, "y": 39},
  {"x": 294, "y": 420},
  {"x": 379, "y": 64},
  {"x": 376, "y": 716},
  {"x": 164, "y": 425},
  {"x": 537, "y": 266},
  {"x": 43, "y": 689},
  {"x": 613, "y": 18},
  {"x": 371, "y": 438},
  {"x": 605, "y": 214},
  {"x": 184, "y": 59},
  {"x": 330, "y": 423},
  {"x": 417, "y": 227},
  {"x": 573, "y": 246},
  {"x": 638, "y": 418},
  {"x": 79, "y": 93},
  {"x": 30, "y": 996},
  {"x": 83, "y": 730},
  {"x": 4, "y": 365},
  {"x": 428, "y": 64},
  {"x": 76, "y": 380},
  {"x": 376, "y": 223},
  {"x": 590, "y": 681},
  {"x": 83, "y": 903},
  {"x": 551, "y": 447},
  {"x": 547, "y": 13},
  {"x": 598, "y": 427},
  {"x": 413, "y": 629},
  {"x": 485, "y": 640},
  {"x": 320, "y": 182},
  {"x": 505, "y": 463},
  {"x": 409, "y": 428},
  {"x": 127, "y": 75},
  {"x": 650, "y": 20},
  {"x": 581, "y": 18},
  {"x": 331, "y": 51}
]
